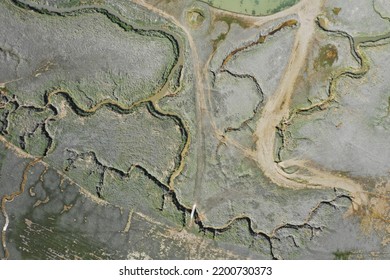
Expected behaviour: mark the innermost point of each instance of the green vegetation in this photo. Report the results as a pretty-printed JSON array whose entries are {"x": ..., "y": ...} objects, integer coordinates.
[
  {"x": 336, "y": 10},
  {"x": 327, "y": 56},
  {"x": 122, "y": 74},
  {"x": 195, "y": 18},
  {"x": 26, "y": 129},
  {"x": 342, "y": 255},
  {"x": 75, "y": 3},
  {"x": 219, "y": 39},
  {"x": 230, "y": 20},
  {"x": 43, "y": 241},
  {"x": 252, "y": 7}
]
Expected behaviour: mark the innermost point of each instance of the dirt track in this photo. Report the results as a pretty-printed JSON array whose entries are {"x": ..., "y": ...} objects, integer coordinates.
[
  {"x": 274, "y": 112},
  {"x": 277, "y": 110}
]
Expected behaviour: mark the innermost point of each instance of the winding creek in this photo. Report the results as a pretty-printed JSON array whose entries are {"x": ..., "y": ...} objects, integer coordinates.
[
  {"x": 275, "y": 114},
  {"x": 113, "y": 104}
]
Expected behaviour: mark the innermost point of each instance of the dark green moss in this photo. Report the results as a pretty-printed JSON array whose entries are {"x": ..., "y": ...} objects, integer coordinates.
[{"x": 342, "y": 255}]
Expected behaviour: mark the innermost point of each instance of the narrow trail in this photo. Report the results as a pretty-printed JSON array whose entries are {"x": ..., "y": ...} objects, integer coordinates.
[
  {"x": 320, "y": 178},
  {"x": 221, "y": 135},
  {"x": 276, "y": 110}
]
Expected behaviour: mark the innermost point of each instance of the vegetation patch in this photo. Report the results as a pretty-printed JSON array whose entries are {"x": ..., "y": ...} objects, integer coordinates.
[
  {"x": 342, "y": 255},
  {"x": 336, "y": 10},
  {"x": 252, "y": 7},
  {"x": 195, "y": 18},
  {"x": 328, "y": 54}
]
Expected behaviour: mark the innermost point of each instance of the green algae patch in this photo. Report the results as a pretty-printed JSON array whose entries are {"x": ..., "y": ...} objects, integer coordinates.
[
  {"x": 336, "y": 10},
  {"x": 195, "y": 18},
  {"x": 328, "y": 54},
  {"x": 342, "y": 255},
  {"x": 231, "y": 19},
  {"x": 252, "y": 7}
]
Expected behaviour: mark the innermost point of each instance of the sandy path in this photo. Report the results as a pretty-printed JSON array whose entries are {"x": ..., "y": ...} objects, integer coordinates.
[
  {"x": 274, "y": 111},
  {"x": 277, "y": 109}
]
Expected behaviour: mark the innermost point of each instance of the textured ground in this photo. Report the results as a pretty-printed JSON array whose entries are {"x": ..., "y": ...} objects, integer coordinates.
[{"x": 174, "y": 130}]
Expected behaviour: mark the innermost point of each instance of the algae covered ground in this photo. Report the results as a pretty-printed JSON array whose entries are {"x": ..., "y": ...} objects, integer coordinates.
[
  {"x": 194, "y": 129},
  {"x": 253, "y": 7}
]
